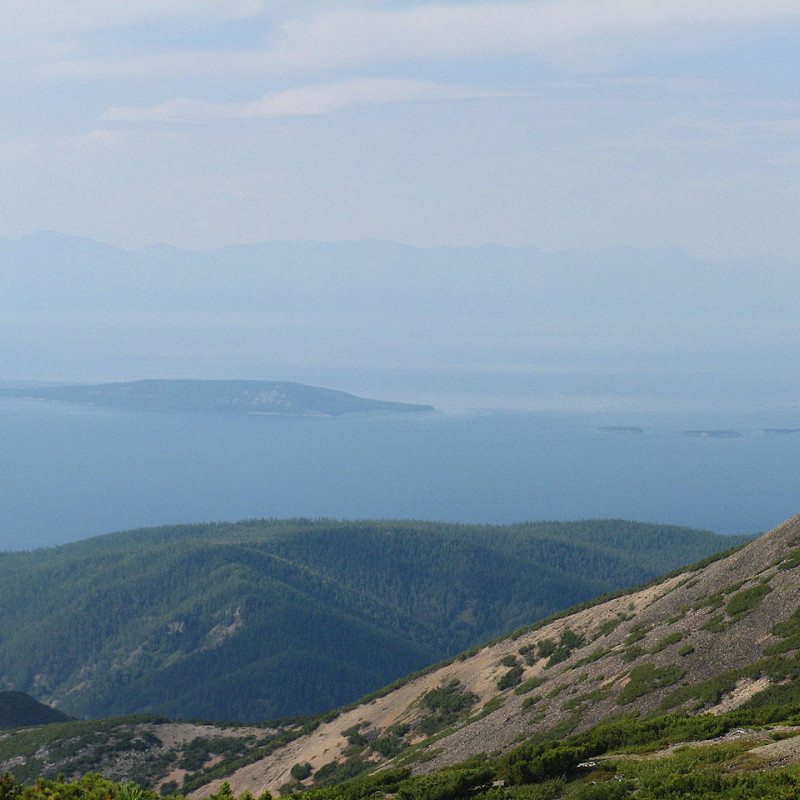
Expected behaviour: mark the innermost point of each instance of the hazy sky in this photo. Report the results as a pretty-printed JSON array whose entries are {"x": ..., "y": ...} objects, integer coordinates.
[{"x": 559, "y": 123}]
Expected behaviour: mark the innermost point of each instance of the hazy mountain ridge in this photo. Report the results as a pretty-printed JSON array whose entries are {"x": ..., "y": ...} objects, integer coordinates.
[
  {"x": 221, "y": 396},
  {"x": 44, "y": 270},
  {"x": 48, "y": 269},
  {"x": 394, "y": 319},
  {"x": 263, "y": 619}
]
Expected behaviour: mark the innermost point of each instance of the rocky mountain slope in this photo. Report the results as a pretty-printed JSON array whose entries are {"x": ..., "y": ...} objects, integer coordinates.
[
  {"x": 716, "y": 637},
  {"x": 151, "y": 751}
]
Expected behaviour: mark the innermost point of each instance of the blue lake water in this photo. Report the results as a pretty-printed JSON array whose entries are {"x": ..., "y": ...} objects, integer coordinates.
[{"x": 69, "y": 472}]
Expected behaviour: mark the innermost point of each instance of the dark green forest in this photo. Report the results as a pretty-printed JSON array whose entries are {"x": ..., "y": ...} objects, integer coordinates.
[
  {"x": 267, "y": 618},
  {"x": 18, "y": 709}
]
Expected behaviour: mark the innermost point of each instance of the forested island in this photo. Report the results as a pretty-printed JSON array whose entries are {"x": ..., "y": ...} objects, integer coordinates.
[{"x": 219, "y": 396}]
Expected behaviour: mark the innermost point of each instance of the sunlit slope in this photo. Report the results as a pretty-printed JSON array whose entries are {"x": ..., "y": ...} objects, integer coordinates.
[
  {"x": 262, "y": 619},
  {"x": 722, "y": 635}
]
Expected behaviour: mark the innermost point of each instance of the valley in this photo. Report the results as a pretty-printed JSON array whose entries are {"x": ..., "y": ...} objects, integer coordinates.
[
  {"x": 263, "y": 619},
  {"x": 707, "y": 654}
]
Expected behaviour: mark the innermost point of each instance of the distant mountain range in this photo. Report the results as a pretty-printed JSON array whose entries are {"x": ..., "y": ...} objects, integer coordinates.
[
  {"x": 230, "y": 397},
  {"x": 401, "y": 316},
  {"x": 267, "y": 618},
  {"x": 53, "y": 272}
]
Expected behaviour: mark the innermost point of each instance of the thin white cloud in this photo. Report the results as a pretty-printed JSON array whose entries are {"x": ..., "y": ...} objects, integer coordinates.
[
  {"x": 309, "y": 100},
  {"x": 65, "y": 16},
  {"x": 153, "y": 66},
  {"x": 445, "y": 30},
  {"x": 303, "y": 37},
  {"x": 59, "y": 32}
]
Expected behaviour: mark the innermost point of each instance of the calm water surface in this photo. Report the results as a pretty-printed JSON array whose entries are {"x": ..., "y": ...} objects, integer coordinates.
[{"x": 69, "y": 472}]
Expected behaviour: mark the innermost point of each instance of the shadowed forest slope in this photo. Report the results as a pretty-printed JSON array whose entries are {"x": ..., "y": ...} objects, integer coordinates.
[
  {"x": 720, "y": 638},
  {"x": 263, "y": 619}
]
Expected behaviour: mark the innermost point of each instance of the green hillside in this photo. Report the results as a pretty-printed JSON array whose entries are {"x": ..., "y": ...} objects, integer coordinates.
[
  {"x": 266, "y": 618},
  {"x": 685, "y": 688},
  {"x": 18, "y": 709}
]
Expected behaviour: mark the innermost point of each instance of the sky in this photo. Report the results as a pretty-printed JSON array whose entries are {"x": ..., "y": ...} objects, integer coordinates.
[{"x": 556, "y": 123}]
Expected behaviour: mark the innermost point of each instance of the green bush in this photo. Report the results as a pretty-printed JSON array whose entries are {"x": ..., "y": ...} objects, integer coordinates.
[
  {"x": 609, "y": 625},
  {"x": 789, "y": 631},
  {"x": 445, "y": 785},
  {"x": 791, "y": 561},
  {"x": 546, "y": 648},
  {"x": 388, "y": 746},
  {"x": 638, "y": 632},
  {"x": 743, "y": 603},
  {"x": 511, "y": 678},
  {"x": 300, "y": 771},
  {"x": 646, "y": 678},
  {"x": 354, "y": 736},
  {"x": 529, "y": 685},
  {"x": 450, "y": 698},
  {"x": 673, "y": 638},
  {"x": 716, "y": 624},
  {"x": 337, "y": 771},
  {"x": 632, "y": 653}
]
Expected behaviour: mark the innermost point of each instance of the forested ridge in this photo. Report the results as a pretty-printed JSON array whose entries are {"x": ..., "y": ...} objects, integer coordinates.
[
  {"x": 567, "y": 707},
  {"x": 604, "y": 701},
  {"x": 18, "y": 709},
  {"x": 268, "y": 618}
]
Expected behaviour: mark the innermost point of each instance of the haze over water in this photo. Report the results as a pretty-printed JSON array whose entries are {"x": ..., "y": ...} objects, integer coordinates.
[
  {"x": 526, "y": 355},
  {"x": 70, "y": 472}
]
